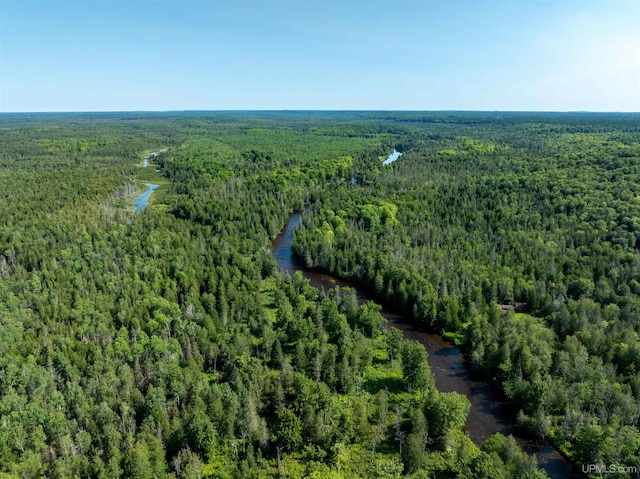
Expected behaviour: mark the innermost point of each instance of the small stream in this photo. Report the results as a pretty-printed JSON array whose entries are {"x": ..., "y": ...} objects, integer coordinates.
[
  {"x": 452, "y": 373},
  {"x": 143, "y": 200}
]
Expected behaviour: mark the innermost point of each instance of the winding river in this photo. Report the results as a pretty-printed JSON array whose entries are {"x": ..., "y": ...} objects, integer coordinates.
[
  {"x": 488, "y": 414},
  {"x": 143, "y": 200}
]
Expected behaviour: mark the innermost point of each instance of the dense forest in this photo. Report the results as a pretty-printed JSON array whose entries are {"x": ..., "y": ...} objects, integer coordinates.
[{"x": 168, "y": 344}]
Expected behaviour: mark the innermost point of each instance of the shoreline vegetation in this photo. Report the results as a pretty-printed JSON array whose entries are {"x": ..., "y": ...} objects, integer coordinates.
[
  {"x": 488, "y": 414},
  {"x": 167, "y": 344}
]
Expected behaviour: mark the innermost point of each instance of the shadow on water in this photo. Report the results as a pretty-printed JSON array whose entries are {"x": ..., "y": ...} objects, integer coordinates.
[{"x": 452, "y": 373}]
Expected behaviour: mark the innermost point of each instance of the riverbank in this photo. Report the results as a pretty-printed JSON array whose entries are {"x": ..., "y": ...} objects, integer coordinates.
[
  {"x": 488, "y": 414},
  {"x": 151, "y": 175}
]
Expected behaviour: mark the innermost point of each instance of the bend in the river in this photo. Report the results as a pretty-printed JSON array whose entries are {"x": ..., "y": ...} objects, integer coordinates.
[
  {"x": 143, "y": 200},
  {"x": 488, "y": 414}
]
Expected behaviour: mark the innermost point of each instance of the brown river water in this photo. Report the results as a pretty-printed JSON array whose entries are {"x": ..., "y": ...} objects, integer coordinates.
[{"x": 452, "y": 373}]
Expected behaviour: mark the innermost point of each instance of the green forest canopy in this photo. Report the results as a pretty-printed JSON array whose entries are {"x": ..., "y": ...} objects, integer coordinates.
[{"x": 166, "y": 344}]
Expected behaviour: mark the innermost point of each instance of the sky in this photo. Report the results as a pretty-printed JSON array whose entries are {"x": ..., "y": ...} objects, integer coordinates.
[{"x": 159, "y": 55}]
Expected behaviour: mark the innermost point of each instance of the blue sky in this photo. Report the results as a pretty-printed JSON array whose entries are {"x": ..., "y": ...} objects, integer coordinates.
[{"x": 116, "y": 55}]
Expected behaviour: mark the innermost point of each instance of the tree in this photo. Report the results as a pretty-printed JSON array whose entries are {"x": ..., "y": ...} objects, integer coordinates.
[
  {"x": 288, "y": 430},
  {"x": 415, "y": 367},
  {"x": 413, "y": 452},
  {"x": 137, "y": 462},
  {"x": 445, "y": 412}
]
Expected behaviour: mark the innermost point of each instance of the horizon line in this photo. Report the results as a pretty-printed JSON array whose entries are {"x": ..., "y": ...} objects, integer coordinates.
[{"x": 309, "y": 110}]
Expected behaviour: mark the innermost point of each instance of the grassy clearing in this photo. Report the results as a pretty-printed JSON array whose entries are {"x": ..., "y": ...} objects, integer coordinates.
[
  {"x": 150, "y": 175},
  {"x": 520, "y": 316},
  {"x": 385, "y": 374},
  {"x": 267, "y": 288},
  {"x": 380, "y": 377}
]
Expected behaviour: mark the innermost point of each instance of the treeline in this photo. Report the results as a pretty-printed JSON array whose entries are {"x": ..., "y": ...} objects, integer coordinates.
[{"x": 547, "y": 219}]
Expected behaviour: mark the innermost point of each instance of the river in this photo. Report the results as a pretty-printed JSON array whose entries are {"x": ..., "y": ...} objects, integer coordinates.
[
  {"x": 143, "y": 200},
  {"x": 392, "y": 157},
  {"x": 488, "y": 414}
]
